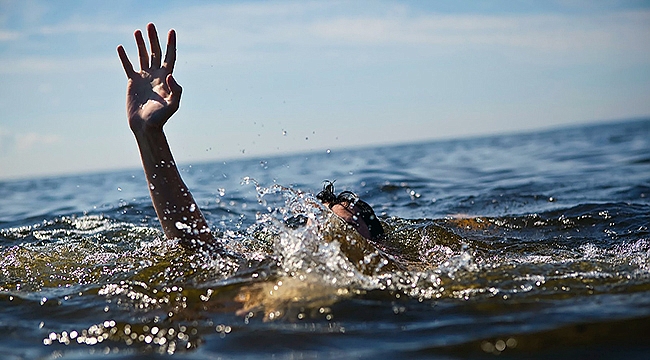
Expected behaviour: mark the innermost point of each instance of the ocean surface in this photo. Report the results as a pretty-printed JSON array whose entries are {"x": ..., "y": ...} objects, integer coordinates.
[{"x": 529, "y": 245}]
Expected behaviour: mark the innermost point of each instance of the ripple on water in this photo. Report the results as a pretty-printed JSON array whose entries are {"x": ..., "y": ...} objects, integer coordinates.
[{"x": 550, "y": 252}]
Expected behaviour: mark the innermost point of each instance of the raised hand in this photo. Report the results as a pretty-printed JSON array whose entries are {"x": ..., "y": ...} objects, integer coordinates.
[
  {"x": 152, "y": 97},
  {"x": 152, "y": 94}
]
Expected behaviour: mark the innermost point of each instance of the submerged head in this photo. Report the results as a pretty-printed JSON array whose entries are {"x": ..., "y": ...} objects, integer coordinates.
[{"x": 353, "y": 210}]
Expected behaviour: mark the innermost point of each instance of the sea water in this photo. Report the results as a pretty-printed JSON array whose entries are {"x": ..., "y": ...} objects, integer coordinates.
[{"x": 523, "y": 245}]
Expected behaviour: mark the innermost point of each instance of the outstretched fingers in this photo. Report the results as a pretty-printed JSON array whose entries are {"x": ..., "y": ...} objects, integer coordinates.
[
  {"x": 126, "y": 63},
  {"x": 170, "y": 53},
  {"x": 153, "y": 61},
  {"x": 156, "y": 53},
  {"x": 142, "y": 50}
]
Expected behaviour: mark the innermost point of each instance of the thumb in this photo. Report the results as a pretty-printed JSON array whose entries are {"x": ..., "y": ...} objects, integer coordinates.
[{"x": 175, "y": 89}]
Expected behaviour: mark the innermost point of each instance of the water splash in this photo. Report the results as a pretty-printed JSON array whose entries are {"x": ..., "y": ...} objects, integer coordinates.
[{"x": 154, "y": 294}]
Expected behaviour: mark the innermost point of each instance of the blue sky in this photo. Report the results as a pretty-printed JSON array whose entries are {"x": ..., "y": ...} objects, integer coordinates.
[{"x": 267, "y": 78}]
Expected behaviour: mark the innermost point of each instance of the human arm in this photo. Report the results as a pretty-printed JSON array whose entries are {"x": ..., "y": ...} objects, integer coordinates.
[{"x": 152, "y": 97}]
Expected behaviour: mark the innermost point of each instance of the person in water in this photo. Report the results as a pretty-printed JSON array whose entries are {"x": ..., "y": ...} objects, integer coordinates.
[{"x": 152, "y": 97}]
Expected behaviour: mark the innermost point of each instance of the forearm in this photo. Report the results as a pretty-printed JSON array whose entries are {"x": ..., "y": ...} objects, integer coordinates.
[{"x": 177, "y": 211}]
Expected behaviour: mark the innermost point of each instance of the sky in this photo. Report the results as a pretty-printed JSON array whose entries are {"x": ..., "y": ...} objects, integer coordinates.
[{"x": 264, "y": 78}]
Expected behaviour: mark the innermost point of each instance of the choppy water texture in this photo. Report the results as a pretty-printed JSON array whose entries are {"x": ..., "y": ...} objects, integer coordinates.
[{"x": 528, "y": 245}]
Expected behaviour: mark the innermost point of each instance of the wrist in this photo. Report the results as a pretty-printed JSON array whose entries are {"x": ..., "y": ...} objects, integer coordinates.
[
  {"x": 144, "y": 131},
  {"x": 153, "y": 146}
]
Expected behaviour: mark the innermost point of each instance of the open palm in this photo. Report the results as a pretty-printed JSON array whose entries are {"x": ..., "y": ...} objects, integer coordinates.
[{"x": 152, "y": 94}]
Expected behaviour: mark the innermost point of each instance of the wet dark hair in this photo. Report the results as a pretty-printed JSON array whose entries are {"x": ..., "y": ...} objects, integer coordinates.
[{"x": 365, "y": 211}]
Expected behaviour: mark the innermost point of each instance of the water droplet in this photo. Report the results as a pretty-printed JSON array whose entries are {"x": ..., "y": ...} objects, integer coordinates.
[{"x": 500, "y": 345}]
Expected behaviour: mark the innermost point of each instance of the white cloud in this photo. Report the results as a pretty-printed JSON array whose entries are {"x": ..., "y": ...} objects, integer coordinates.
[
  {"x": 58, "y": 65},
  {"x": 27, "y": 141},
  {"x": 238, "y": 32},
  {"x": 8, "y": 35},
  {"x": 542, "y": 32},
  {"x": 12, "y": 142},
  {"x": 85, "y": 28}
]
